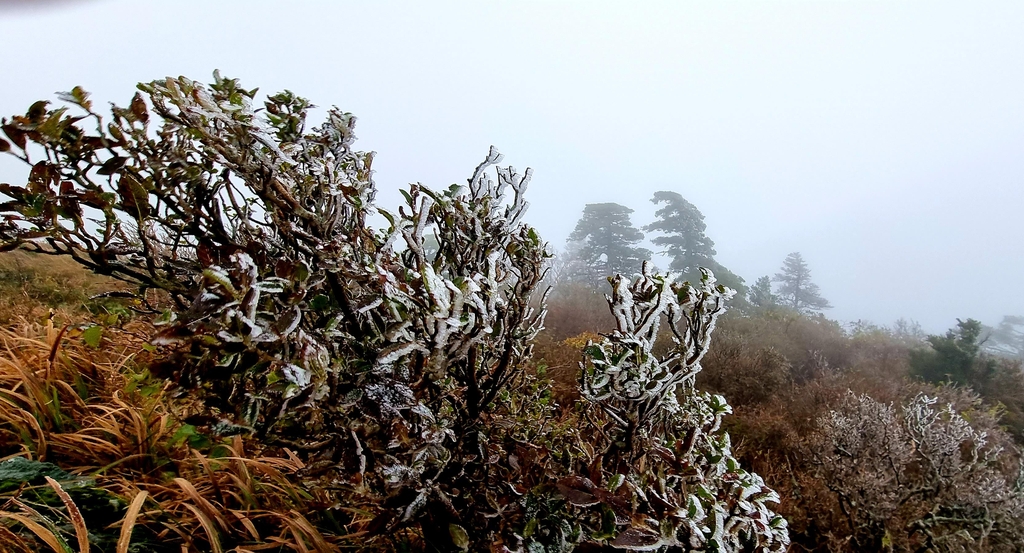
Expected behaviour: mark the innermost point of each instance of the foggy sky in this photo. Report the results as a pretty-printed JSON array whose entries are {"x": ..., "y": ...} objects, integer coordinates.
[{"x": 883, "y": 140}]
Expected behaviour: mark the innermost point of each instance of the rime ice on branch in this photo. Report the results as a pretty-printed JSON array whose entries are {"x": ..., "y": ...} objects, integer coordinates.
[
  {"x": 660, "y": 421},
  {"x": 392, "y": 369}
]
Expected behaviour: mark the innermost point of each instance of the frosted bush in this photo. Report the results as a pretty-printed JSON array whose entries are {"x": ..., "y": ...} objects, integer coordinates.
[
  {"x": 918, "y": 476},
  {"x": 393, "y": 360},
  {"x": 665, "y": 450}
]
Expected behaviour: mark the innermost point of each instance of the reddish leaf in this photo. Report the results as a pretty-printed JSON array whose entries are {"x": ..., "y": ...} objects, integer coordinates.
[
  {"x": 578, "y": 491},
  {"x": 637, "y": 539},
  {"x": 138, "y": 108},
  {"x": 16, "y": 135},
  {"x": 664, "y": 453},
  {"x": 577, "y": 497},
  {"x": 620, "y": 505},
  {"x": 16, "y": 192},
  {"x": 134, "y": 198},
  {"x": 578, "y": 482},
  {"x": 594, "y": 470},
  {"x": 94, "y": 142},
  {"x": 204, "y": 255},
  {"x": 41, "y": 176},
  {"x": 93, "y": 198}
]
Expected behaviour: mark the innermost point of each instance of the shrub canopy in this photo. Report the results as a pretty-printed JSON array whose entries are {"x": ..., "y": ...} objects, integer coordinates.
[{"x": 395, "y": 359}]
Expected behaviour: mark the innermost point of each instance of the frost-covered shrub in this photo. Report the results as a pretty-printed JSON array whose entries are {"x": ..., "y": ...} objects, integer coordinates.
[
  {"x": 394, "y": 361},
  {"x": 919, "y": 478},
  {"x": 299, "y": 319},
  {"x": 664, "y": 475},
  {"x": 257, "y": 228}
]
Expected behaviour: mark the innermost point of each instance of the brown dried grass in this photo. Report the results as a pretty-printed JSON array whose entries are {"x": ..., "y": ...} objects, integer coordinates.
[{"x": 92, "y": 412}]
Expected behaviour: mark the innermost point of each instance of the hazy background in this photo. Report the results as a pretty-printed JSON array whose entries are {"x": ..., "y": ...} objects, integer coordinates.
[{"x": 882, "y": 140}]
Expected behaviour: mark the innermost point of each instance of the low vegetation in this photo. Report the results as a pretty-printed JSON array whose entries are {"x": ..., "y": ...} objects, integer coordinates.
[
  {"x": 206, "y": 348},
  {"x": 865, "y": 454}
]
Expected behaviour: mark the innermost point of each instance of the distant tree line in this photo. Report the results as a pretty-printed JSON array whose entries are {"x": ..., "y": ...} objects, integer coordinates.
[{"x": 605, "y": 242}]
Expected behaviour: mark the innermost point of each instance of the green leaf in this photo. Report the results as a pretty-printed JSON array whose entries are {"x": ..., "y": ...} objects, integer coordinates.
[
  {"x": 81, "y": 97},
  {"x": 37, "y": 111},
  {"x": 185, "y": 432},
  {"x": 608, "y": 528},
  {"x": 530, "y": 528},
  {"x": 81, "y": 387},
  {"x": 92, "y": 336},
  {"x": 320, "y": 302},
  {"x": 460, "y": 538},
  {"x": 166, "y": 317},
  {"x": 301, "y": 272},
  {"x": 151, "y": 389},
  {"x": 110, "y": 166}
]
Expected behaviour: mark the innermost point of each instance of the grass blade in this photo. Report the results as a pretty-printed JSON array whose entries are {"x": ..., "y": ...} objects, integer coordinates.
[
  {"x": 13, "y": 542},
  {"x": 129, "y": 522},
  {"x": 207, "y": 525},
  {"x": 74, "y": 514},
  {"x": 43, "y": 533}
]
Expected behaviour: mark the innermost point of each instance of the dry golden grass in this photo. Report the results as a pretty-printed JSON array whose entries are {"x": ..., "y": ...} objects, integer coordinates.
[
  {"x": 33, "y": 287},
  {"x": 94, "y": 413},
  {"x": 560, "y": 362}
]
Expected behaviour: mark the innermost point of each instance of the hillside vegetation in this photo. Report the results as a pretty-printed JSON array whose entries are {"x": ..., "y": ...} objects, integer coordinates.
[{"x": 207, "y": 348}]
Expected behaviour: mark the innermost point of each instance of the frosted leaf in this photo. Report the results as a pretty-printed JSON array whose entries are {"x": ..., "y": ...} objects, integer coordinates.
[
  {"x": 391, "y": 354},
  {"x": 652, "y": 395},
  {"x": 414, "y": 508},
  {"x": 272, "y": 285},
  {"x": 391, "y": 398},
  {"x": 396, "y": 474},
  {"x": 296, "y": 375}
]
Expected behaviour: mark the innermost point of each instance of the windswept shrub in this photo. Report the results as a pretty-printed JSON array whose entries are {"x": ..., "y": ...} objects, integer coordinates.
[
  {"x": 394, "y": 360},
  {"x": 810, "y": 343}
]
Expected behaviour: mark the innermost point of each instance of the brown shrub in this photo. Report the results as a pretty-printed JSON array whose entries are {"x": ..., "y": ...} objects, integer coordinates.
[
  {"x": 744, "y": 375},
  {"x": 575, "y": 308},
  {"x": 559, "y": 361},
  {"x": 811, "y": 344}
]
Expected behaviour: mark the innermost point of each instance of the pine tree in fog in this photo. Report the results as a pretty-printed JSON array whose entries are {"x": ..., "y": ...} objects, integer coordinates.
[
  {"x": 607, "y": 242},
  {"x": 682, "y": 227},
  {"x": 761, "y": 293},
  {"x": 683, "y": 236},
  {"x": 795, "y": 287}
]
